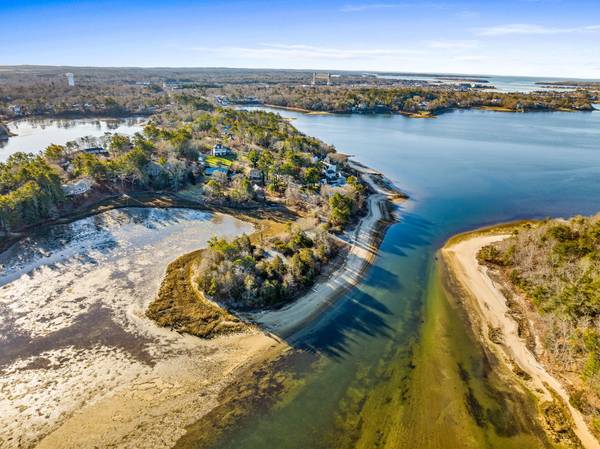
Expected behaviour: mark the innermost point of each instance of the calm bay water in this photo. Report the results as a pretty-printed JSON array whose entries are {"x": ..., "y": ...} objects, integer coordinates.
[
  {"x": 396, "y": 365},
  {"x": 33, "y": 136}
]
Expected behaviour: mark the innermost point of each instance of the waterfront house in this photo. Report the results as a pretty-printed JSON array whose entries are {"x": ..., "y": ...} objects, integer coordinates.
[
  {"x": 15, "y": 109},
  {"x": 220, "y": 150},
  {"x": 259, "y": 192}
]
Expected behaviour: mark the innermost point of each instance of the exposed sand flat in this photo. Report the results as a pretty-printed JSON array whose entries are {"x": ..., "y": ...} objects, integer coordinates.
[
  {"x": 73, "y": 331},
  {"x": 153, "y": 410},
  {"x": 492, "y": 307}
]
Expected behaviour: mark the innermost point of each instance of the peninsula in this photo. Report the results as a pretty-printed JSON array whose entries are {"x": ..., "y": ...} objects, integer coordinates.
[{"x": 318, "y": 218}]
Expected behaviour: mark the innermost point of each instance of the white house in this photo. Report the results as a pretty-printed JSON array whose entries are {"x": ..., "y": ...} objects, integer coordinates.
[
  {"x": 220, "y": 150},
  {"x": 255, "y": 175}
]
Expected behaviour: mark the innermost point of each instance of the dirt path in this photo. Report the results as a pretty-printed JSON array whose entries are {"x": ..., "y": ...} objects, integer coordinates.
[
  {"x": 365, "y": 244},
  {"x": 493, "y": 309}
]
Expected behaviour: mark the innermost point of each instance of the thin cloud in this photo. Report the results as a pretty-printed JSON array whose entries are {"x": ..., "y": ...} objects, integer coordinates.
[
  {"x": 453, "y": 44},
  {"x": 473, "y": 58},
  {"x": 467, "y": 15},
  {"x": 532, "y": 29},
  {"x": 308, "y": 52},
  {"x": 372, "y": 6}
]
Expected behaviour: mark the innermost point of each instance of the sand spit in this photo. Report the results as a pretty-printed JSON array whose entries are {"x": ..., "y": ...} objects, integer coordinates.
[{"x": 491, "y": 306}]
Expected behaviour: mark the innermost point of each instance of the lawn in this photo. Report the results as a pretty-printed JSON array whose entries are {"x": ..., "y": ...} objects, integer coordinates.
[{"x": 215, "y": 161}]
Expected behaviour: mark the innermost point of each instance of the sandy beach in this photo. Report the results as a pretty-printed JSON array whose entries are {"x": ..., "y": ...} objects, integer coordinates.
[
  {"x": 145, "y": 391},
  {"x": 491, "y": 306}
]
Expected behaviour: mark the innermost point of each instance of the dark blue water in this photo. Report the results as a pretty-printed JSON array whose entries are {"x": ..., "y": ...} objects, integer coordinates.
[
  {"x": 462, "y": 170},
  {"x": 469, "y": 168}
]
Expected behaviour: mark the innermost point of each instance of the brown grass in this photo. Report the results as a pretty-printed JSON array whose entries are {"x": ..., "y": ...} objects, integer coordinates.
[{"x": 183, "y": 308}]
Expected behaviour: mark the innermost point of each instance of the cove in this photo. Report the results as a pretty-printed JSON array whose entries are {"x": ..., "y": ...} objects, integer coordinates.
[
  {"x": 34, "y": 135},
  {"x": 393, "y": 364}
]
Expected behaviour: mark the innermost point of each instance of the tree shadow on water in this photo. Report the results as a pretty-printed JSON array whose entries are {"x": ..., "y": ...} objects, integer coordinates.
[
  {"x": 411, "y": 231},
  {"x": 358, "y": 313},
  {"x": 354, "y": 315}
]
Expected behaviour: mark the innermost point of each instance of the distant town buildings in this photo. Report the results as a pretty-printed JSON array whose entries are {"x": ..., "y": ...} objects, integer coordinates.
[{"x": 70, "y": 79}]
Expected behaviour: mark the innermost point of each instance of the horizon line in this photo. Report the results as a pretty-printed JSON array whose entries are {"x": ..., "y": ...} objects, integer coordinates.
[{"x": 415, "y": 73}]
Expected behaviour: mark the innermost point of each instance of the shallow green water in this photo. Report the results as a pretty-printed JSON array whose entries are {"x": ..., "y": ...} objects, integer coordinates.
[{"x": 394, "y": 364}]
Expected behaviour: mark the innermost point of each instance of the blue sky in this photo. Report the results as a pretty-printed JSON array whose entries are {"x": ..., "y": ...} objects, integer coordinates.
[{"x": 514, "y": 37}]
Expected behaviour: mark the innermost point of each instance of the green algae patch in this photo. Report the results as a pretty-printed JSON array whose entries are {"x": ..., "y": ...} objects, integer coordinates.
[
  {"x": 461, "y": 395},
  {"x": 260, "y": 388}
]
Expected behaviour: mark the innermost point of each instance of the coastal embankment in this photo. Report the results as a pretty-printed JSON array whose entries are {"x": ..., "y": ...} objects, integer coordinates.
[
  {"x": 500, "y": 332},
  {"x": 364, "y": 241}
]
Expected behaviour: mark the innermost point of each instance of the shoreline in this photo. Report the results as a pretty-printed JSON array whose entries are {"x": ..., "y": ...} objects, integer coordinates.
[
  {"x": 425, "y": 114},
  {"x": 161, "y": 200},
  {"x": 365, "y": 241},
  {"x": 489, "y": 304},
  {"x": 295, "y": 109},
  {"x": 289, "y": 321},
  {"x": 178, "y": 296}
]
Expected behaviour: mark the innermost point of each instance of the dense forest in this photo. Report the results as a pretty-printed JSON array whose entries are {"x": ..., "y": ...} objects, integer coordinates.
[
  {"x": 557, "y": 267},
  {"x": 243, "y": 275},
  {"x": 30, "y": 190}
]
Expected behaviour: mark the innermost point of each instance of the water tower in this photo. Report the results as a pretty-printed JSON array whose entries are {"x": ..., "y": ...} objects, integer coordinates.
[{"x": 70, "y": 79}]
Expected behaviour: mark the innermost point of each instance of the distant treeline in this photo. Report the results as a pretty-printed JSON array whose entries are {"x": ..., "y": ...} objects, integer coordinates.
[{"x": 410, "y": 100}]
